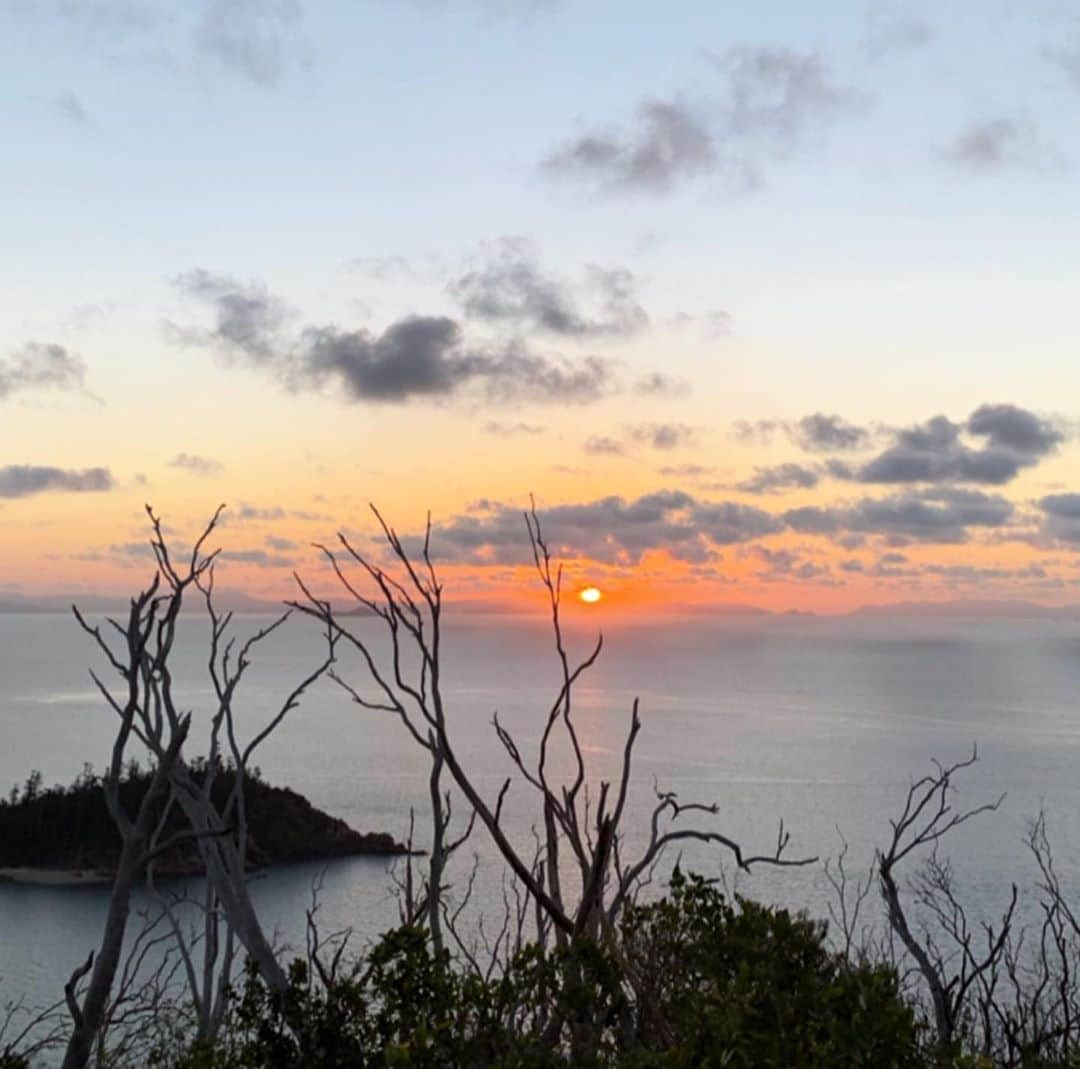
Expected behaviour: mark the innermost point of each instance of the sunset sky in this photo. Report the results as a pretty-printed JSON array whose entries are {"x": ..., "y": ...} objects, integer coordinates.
[{"x": 765, "y": 303}]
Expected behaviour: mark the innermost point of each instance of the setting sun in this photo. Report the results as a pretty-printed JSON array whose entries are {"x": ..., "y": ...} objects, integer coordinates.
[{"x": 590, "y": 595}]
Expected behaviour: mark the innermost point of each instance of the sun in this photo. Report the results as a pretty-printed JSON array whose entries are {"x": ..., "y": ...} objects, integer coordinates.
[{"x": 590, "y": 595}]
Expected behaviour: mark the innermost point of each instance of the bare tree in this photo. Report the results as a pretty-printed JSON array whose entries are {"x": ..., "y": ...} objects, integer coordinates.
[
  {"x": 575, "y": 830},
  {"x": 146, "y": 705},
  {"x": 951, "y": 972}
]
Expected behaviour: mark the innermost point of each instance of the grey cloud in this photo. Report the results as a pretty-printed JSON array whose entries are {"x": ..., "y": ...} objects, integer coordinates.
[
  {"x": 783, "y": 564},
  {"x": 772, "y": 101},
  {"x": 780, "y": 477},
  {"x": 22, "y": 480},
  {"x": 44, "y": 366},
  {"x": 671, "y": 141},
  {"x": 248, "y": 319},
  {"x": 256, "y": 39},
  {"x": 687, "y": 471},
  {"x": 756, "y": 432},
  {"x": 511, "y": 288},
  {"x": 196, "y": 464},
  {"x": 1061, "y": 522},
  {"x": 602, "y": 445},
  {"x": 663, "y": 435},
  {"x": 660, "y": 385},
  {"x": 938, "y": 515},
  {"x": 934, "y": 451},
  {"x": 997, "y": 143},
  {"x": 418, "y": 356},
  {"x": 819, "y": 433},
  {"x": 1064, "y": 506},
  {"x": 611, "y": 529}
]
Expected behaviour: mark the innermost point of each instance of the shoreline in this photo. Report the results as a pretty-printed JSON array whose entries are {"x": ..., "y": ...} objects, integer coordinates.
[{"x": 29, "y": 876}]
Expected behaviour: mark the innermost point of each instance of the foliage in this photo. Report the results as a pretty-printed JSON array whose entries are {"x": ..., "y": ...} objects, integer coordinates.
[{"x": 693, "y": 980}]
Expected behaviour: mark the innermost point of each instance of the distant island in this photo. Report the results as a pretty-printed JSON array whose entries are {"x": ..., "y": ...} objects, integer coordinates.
[{"x": 64, "y": 835}]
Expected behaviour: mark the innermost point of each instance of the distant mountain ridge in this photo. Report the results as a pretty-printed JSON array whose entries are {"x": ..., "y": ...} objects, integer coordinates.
[{"x": 960, "y": 608}]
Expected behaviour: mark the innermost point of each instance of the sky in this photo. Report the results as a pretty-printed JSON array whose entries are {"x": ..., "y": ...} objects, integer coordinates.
[{"x": 766, "y": 304}]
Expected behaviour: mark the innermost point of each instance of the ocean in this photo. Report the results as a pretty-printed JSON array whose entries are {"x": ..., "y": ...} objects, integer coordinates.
[{"x": 821, "y": 723}]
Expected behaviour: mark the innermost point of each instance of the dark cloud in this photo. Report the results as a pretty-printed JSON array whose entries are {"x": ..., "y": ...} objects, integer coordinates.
[
  {"x": 511, "y": 289},
  {"x": 942, "y": 514},
  {"x": 891, "y": 26},
  {"x": 934, "y": 452},
  {"x": 22, "y": 480},
  {"x": 195, "y": 464},
  {"x": 418, "y": 356},
  {"x": 41, "y": 366},
  {"x": 780, "y": 477},
  {"x": 771, "y": 102},
  {"x": 1064, "y": 506},
  {"x": 259, "y": 40},
  {"x": 1061, "y": 521},
  {"x": 819, "y": 433},
  {"x": 997, "y": 143}
]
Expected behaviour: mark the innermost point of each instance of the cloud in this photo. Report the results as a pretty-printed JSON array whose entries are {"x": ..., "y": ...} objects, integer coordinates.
[
  {"x": 772, "y": 480},
  {"x": 414, "y": 357},
  {"x": 772, "y": 102},
  {"x": 786, "y": 564},
  {"x": 819, "y": 433},
  {"x": 658, "y": 384},
  {"x": 69, "y": 107},
  {"x": 510, "y": 430},
  {"x": 511, "y": 289},
  {"x": 22, "y": 480},
  {"x": 599, "y": 445},
  {"x": 663, "y": 435},
  {"x": 687, "y": 471},
  {"x": 256, "y": 39},
  {"x": 934, "y": 452},
  {"x": 891, "y": 26},
  {"x": 936, "y": 515},
  {"x": 611, "y": 530},
  {"x": 1061, "y": 521},
  {"x": 195, "y": 464},
  {"x": 248, "y": 319},
  {"x": 42, "y": 366},
  {"x": 998, "y": 143}
]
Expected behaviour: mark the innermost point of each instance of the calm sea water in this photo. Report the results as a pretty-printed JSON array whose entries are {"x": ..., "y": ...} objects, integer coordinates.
[{"x": 822, "y": 723}]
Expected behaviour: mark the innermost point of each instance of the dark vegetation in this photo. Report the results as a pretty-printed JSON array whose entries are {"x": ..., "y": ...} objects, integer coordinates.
[
  {"x": 70, "y": 828},
  {"x": 582, "y": 969}
]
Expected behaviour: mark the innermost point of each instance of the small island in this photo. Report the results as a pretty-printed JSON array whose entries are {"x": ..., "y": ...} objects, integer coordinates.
[{"x": 65, "y": 835}]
